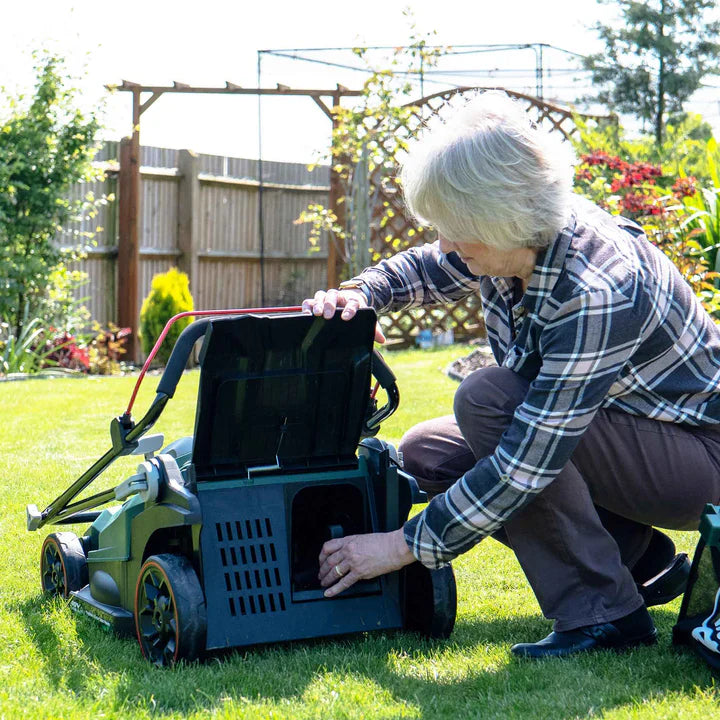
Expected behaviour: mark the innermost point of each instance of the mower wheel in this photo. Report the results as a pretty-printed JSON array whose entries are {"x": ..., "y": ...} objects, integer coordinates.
[
  {"x": 170, "y": 616},
  {"x": 63, "y": 565},
  {"x": 430, "y": 600}
]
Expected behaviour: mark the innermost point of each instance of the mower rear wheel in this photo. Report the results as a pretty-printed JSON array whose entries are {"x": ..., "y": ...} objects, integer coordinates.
[
  {"x": 170, "y": 616},
  {"x": 63, "y": 565},
  {"x": 430, "y": 600}
]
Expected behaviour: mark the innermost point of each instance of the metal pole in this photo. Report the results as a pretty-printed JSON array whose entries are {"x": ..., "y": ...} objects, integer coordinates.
[{"x": 539, "y": 70}]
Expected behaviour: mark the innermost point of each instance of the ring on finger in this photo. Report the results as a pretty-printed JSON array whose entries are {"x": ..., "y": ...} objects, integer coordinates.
[{"x": 338, "y": 572}]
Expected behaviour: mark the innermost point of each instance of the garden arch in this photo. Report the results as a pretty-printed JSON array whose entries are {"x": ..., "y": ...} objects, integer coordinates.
[{"x": 143, "y": 97}]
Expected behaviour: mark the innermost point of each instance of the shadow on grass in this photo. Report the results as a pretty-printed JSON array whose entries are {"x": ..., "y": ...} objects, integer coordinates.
[{"x": 470, "y": 675}]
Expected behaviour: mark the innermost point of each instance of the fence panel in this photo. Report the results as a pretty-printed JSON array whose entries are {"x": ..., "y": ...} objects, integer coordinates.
[
  {"x": 227, "y": 282},
  {"x": 98, "y": 293},
  {"x": 228, "y": 267},
  {"x": 157, "y": 234},
  {"x": 228, "y": 218}
]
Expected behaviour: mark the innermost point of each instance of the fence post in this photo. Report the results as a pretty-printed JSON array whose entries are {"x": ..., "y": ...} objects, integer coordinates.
[
  {"x": 128, "y": 249},
  {"x": 189, "y": 216}
]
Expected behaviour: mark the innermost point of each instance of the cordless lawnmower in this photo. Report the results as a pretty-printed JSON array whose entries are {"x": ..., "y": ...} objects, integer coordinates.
[{"x": 214, "y": 542}]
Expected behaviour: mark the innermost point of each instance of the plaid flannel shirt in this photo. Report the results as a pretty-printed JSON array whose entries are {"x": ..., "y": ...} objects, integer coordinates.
[{"x": 605, "y": 322}]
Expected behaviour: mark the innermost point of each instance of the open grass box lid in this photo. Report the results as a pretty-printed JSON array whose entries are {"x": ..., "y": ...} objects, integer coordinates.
[{"x": 287, "y": 390}]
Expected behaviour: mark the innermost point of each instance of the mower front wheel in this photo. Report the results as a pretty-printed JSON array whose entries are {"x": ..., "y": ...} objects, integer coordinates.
[
  {"x": 170, "y": 615},
  {"x": 63, "y": 565},
  {"x": 430, "y": 600}
]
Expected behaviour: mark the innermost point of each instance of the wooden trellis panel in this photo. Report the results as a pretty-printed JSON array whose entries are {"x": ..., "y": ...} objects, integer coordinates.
[{"x": 401, "y": 231}]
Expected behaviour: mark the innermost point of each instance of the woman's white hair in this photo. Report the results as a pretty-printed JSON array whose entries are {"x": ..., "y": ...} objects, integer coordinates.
[{"x": 488, "y": 174}]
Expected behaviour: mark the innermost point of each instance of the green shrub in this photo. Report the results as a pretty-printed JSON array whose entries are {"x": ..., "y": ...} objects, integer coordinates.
[
  {"x": 169, "y": 295},
  {"x": 63, "y": 305},
  {"x": 46, "y": 146}
]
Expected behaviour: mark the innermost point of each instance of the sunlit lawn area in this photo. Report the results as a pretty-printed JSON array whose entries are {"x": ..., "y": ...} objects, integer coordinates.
[{"x": 54, "y": 664}]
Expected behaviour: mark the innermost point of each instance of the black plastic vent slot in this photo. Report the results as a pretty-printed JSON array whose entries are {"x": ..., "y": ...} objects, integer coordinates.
[{"x": 253, "y": 580}]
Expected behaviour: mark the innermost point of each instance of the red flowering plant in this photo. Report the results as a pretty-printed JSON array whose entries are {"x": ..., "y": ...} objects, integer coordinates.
[
  {"x": 64, "y": 350},
  {"x": 633, "y": 189},
  {"x": 97, "y": 352},
  {"x": 106, "y": 348},
  {"x": 669, "y": 210},
  {"x": 685, "y": 187}
]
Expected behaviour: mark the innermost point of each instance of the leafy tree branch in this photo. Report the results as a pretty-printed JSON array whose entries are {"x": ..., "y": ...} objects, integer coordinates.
[{"x": 655, "y": 57}]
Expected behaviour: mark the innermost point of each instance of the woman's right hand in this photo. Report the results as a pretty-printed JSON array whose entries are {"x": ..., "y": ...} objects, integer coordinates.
[{"x": 350, "y": 300}]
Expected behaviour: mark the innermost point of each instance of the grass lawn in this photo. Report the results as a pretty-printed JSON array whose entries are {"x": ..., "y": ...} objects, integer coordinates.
[{"x": 54, "y": 664}]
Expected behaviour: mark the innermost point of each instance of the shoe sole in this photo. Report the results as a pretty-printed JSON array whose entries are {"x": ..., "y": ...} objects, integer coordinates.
[{"x": 671, "y": 582}]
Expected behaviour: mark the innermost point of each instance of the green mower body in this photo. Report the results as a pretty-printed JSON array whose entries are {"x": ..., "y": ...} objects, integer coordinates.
[{"x": 216, "y": 541}]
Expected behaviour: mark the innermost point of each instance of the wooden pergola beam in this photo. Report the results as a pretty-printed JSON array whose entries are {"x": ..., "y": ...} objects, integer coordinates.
[{"x": 231, "y": 89}]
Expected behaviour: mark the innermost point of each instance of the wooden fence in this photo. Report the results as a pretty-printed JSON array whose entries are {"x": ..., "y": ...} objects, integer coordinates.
[{"x": 200, "y": 213}]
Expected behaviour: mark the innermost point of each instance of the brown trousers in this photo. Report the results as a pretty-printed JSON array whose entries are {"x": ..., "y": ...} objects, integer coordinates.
[{"x": 579, "y": 538}]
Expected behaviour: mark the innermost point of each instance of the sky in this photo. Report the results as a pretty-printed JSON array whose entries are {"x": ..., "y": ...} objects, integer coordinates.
[{"x": 208, "y": 43}]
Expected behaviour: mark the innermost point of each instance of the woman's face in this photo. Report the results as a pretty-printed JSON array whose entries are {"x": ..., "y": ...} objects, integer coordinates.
[{"x": 485, "y": 260}]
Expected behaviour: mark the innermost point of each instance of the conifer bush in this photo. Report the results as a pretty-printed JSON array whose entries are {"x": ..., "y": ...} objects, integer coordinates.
[{"x": 168, "y": 296}]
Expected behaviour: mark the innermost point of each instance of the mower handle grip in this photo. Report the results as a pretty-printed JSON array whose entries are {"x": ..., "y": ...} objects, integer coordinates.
[
  {"x": 381, "y": 371},
  {"x": 387, "y": 381},
  {"x": 180, "y": 355}
]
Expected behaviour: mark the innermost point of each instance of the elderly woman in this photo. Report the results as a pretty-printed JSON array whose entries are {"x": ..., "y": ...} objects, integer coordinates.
[{"x": 602, "y": 418}]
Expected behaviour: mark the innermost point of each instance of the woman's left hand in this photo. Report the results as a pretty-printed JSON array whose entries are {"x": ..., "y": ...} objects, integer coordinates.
[{"x": 344, "y": 561}]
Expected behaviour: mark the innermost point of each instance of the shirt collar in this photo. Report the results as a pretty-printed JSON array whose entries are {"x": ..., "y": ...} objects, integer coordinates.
[{"x": 549, "y": 266}]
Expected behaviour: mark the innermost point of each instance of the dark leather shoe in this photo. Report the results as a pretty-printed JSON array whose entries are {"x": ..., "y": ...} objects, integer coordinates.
[
  {"x": 668, "y": 583},
  {"x": 607, "y": 636}
]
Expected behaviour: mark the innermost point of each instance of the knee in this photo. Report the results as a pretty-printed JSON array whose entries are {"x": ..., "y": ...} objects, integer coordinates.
[
  {"x": 435, "y": 454},
  {"x": 488, "y": 394},
  {"x": 414, "y": 450}
]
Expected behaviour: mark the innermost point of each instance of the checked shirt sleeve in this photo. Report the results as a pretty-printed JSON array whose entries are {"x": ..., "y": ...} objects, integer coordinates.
[
  {"x": 418, "y": 276},
  {"x": 583, "y": 348}
]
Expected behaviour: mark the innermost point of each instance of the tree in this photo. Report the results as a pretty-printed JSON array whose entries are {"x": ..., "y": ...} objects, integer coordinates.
[
  {"x": 46, "y": 146},
  {"x": 656, "y": 58}
]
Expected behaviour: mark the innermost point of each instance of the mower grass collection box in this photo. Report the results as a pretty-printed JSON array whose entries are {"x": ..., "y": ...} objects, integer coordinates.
[{"x": 217, "y": 540}]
